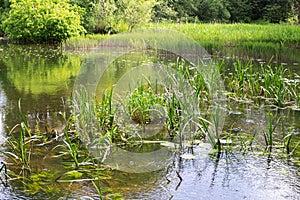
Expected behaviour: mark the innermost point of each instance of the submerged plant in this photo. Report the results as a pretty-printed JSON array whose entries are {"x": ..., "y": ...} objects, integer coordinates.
[{"x": 71, "y": 144}]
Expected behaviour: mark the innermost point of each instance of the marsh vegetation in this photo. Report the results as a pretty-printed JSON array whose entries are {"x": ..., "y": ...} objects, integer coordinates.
[{"x": 45, "y": 155}]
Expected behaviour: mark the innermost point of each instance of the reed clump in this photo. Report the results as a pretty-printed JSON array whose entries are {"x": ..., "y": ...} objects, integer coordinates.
[{"x": 274, "y": 85}]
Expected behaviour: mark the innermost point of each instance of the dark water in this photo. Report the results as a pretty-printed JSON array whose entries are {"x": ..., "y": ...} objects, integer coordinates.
[{"x": 42, "y": 79}]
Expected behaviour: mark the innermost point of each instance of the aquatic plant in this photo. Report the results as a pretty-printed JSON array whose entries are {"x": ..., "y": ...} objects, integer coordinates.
[
  {"x": 72, "y": 148},
  {"x": 141, "y": 101},
  {"x": 19, "y": 151},
  {"x": 98, "y": 188},
  {"x": 105, "y": 111},
  {"x": 71, "y": 143},
  {"x": 269, "y": 134},
  {"x": 86, "y": 42},
  {"x": 287, "y": 142},
  {"x": 173, "y": 113},
  {"x": 274, "y": 85},
  {"x": 84, "y": 114},
  {"x": 238, "y": 34}
]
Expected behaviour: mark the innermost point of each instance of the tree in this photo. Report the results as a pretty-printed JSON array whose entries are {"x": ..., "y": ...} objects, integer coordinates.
[
  {"x": 177, "y": 10},
  {"x": 87, "y": 20},
  {"x": 4, "y": 8},
  {"x": 270, "y": 10},
  {"x": 121, "y": 15},
  {"x": 277, "y": 10},
  {"x": 42, "y": 20},
  {"x": 164, "y": 11},
  {"x": 212, "y": 11},
  {"x": 240, "y": 10}
]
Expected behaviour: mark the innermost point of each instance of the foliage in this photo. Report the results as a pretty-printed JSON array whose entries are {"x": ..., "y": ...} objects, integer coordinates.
[
  {"x": 239, "y": 10},
  {"x": 163, "y": 11},
  {"x": 4, "y": 9},
  {"x": 141, "y": 101},
  {"x": 225, "y": 10},
  {"x": 213, "y": 11},
  {"x": 38, "y": 21},
  {"x": 275, "y": 85},
  {"x": 115, "y": 16},
  {"x": 239, "y": 34},
  {"x": 42, "y": 20},
  {"x": 88, "y": 9}
]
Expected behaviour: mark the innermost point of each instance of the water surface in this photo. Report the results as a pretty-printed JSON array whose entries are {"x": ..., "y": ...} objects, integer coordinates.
[{"x": 41, "y": 77}]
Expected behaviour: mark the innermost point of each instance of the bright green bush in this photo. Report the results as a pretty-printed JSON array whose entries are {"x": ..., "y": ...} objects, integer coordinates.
[{"x": 42, "y": 21}]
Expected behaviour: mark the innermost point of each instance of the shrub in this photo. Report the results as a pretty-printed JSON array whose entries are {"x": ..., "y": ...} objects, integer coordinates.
[
  {"x": 42, "y": 21},
  {"x": 117, "y": 16}
]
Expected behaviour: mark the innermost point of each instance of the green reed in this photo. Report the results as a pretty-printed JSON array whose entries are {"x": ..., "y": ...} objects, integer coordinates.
[
  {"x": 84, "y": 113},
  {"x": 72, "y": 149},
  {"x": 238, "y": 34},
  {"x": 173, "y": 112},
  {"x": 275, "y": 85},
  {"x": 141, "y": 101},
  {"x": 105, "y": 111},
  {"x": 269, "y": 134},
  {"x": 89, "y": 41},
  {"x": 19, "y": 151},
  {"x": 98, "y": 188}
]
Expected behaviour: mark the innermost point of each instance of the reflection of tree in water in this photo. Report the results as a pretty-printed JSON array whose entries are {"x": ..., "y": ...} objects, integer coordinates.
[{"x": 41, "y": 77}]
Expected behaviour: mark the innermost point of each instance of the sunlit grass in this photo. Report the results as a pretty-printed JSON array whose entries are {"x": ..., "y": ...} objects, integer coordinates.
[
  {"x": 274, "y": 85},
  {"x": 238, "y": 34},
  {"x": 84, "y": 42}
]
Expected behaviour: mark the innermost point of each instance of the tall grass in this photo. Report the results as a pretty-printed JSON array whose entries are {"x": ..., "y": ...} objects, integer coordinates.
[
  {"x": 141, "y": 101},
  {"x": 275, "y": 85},
  {"x": 269, "y": 134},
  {"x": 98, "y": 188},
  {"x": 84, "y": 42},
  {"x": 20, "y": 146},
  {"x": 238, "y": 34}
]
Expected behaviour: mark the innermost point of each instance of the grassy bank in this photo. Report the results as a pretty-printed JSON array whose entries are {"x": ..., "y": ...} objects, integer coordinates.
[
  {"x": 271, "y": 36},
  {"x": 244, "y": 40},
  {"x": 239, "y": 34}
]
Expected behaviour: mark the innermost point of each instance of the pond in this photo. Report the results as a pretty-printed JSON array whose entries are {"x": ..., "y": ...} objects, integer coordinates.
[{"x": 41, "y": 78}]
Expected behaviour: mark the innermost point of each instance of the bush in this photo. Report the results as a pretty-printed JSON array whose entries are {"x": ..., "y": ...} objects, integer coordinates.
[
  {"x": 42, "y": 21},
  {"x": 4, "y": 9},
  {"x": 117, "y": 16}
]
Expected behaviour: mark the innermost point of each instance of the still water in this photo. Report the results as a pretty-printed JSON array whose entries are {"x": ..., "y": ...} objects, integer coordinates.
[{"x": 41, "y": 78}]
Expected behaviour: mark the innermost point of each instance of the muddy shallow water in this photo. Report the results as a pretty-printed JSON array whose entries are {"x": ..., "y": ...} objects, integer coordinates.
[{"x": 42, "y": 77}]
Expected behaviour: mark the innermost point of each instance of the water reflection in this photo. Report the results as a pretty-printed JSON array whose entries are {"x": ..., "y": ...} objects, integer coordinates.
[
  {"x": 42, "y": 77},
  {"x": 2, "y": 116},
  {"x": 227, "y": 176}
]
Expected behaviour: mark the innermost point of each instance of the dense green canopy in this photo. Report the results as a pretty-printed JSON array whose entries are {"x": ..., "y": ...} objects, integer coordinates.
[{"x": 58, "y": 20}]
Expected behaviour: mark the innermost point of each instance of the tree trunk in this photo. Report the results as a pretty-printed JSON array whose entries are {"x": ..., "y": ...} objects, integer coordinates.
[{"x": 298, "y": 12}]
